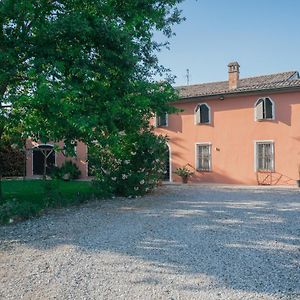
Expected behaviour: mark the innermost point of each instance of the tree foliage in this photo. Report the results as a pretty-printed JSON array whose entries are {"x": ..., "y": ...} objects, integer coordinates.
[
  {"x": 82, "y": 69},
  {"x": 69, "y": 66}
]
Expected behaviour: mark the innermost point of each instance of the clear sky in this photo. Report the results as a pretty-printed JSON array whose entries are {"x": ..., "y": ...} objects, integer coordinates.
[{"x": 262, "y": 35}]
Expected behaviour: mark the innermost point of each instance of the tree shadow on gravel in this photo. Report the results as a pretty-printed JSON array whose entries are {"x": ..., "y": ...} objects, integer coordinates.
[{"x": 237, "y": 239}]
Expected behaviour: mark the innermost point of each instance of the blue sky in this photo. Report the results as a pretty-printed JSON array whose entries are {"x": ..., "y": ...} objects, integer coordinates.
[{"x": 262, "y": 35}]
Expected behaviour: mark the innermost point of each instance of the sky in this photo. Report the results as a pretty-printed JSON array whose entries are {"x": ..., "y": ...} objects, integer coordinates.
[{"x": 262, "y": 35}]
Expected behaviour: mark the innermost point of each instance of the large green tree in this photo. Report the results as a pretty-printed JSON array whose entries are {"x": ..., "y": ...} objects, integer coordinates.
[{"x": 82, "y": 69}]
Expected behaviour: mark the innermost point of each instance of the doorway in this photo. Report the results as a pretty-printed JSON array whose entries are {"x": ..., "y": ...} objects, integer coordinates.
[
  {"x": 38, "y": 156},
  {"x": 167, "y": 165}
]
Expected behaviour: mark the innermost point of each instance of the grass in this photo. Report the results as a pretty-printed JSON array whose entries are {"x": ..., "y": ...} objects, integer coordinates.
[{"x": 27, "y": 198}]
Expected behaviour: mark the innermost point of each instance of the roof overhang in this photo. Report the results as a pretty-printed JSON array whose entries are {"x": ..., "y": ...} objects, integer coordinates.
[{"x": 239, "y": 93}]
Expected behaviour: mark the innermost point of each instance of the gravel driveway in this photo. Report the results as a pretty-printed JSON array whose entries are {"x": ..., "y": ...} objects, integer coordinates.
[{"x": 182, "y": 242}]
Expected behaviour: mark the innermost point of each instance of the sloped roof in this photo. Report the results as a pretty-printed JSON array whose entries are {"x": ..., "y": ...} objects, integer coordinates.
[{"x": 251, "y": 84}]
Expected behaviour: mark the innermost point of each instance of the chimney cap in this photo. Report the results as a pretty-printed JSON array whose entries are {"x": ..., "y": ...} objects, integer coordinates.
[
  {"x": 233, "y": 67},
  {"x": 234, "y": 63}
]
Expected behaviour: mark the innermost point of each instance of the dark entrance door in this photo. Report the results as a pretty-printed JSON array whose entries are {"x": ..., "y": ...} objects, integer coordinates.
[
  {"x": 38, "y": 159},
  {"x": 167, "y": 166}
]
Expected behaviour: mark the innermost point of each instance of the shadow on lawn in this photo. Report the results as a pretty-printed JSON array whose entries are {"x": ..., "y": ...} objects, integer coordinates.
[{"x": 245, "y": 240}]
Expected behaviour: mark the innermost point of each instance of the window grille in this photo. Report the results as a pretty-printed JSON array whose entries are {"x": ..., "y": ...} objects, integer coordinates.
[
  {"x": 265, "y": 156},
  {"x": 204, "y": 157}
]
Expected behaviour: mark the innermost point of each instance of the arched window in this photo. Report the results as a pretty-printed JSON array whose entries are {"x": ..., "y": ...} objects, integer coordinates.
[
  {"x": 264, "y": 109},
  {"x": 202, "y": 112}
]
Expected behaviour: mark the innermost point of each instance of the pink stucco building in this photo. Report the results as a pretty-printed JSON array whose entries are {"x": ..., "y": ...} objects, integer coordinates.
[
  {"x": 35, "y": 159},
  {"x": 244, "y": 131}
]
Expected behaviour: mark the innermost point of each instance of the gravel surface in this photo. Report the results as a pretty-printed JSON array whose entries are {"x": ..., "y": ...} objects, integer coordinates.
[{"x": 182, "y": 242}]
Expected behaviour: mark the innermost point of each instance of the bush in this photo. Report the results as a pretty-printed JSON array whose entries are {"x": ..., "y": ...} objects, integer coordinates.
[
  {"x": 68, "y": 168},
  {"x": 12, "y": 160},
  {"x": 56, "y": 173},
  {"x": 129, "y": 164}
]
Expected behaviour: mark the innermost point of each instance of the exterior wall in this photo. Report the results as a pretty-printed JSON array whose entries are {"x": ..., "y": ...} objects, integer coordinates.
[
  {"x": 80, "y": 159},
  {"x": 232, "y": 134}
]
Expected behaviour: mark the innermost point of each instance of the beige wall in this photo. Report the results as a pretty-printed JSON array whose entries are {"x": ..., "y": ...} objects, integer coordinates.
[{"x": 232, "y": 134}]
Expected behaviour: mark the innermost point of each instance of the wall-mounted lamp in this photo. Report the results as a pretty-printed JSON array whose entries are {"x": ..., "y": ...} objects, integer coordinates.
[{"x": 221, "y": 97}]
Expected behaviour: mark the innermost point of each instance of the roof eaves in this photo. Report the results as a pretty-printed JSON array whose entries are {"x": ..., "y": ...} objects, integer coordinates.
[{"x": 239, "y": 92}]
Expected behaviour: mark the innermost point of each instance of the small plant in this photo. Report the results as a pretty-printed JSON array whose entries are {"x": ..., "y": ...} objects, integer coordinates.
[
  {"x": 184, "y": 173},
  {"x": 71, "y": 168},
  {"x": 68, "y": 170}
]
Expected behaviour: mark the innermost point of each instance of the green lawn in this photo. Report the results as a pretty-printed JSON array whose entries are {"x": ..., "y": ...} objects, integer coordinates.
[{"x": 26, "y": 198}]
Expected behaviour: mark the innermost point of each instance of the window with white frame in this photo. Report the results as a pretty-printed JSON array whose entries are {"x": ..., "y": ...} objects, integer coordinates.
[
  {"x": 162, "y": 120},
  {"x": 203, "y": 157},
  {"x": 202, "y": 112},
  {"x": 264, "y": 109},
  {"x": 264, "y": 156}
]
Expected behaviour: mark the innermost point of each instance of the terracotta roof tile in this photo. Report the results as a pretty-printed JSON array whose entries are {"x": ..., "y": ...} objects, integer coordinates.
[{"x": 266, "y": 82}]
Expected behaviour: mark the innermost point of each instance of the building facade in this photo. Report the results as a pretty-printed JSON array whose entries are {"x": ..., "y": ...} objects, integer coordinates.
[
  {"x": 240, "y": 131},
  {"x": 35, "y": 158}
]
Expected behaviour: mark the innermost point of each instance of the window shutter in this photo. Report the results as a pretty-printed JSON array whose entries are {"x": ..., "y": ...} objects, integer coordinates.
[
  {"x": 198, "y": 112},
  {"x": 269, "y": 108},
  {"x": 259, "y": 109}
]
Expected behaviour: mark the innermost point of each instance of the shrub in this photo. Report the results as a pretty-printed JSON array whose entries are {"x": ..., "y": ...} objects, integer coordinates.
[
  {"x": 12, "y": 160},
  {"x": 71, "y": 168},
  {"x": 68, "y": 168},
  {"x": 56, "y": 173},
  {"x": 129, "y": 164}
]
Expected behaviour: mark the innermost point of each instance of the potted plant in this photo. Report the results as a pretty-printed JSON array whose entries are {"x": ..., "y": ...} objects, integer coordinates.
[
  {"x": 298, "y": 181},
  {"x": 184, "y": 173}
]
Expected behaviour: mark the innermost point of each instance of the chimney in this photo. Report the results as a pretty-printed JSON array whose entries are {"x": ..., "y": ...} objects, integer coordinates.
[{"x": 233, "y": 75}]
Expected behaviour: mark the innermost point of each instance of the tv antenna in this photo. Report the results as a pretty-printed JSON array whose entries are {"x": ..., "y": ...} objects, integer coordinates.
[{"x": 187, "y": 76}]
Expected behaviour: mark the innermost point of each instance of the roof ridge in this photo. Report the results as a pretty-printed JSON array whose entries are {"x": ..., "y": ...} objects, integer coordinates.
[
  {"x": 272, "y": 74},
  {"x": 195, "y": 84},
  {"x": 243, "y": 79}
]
